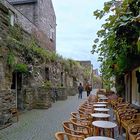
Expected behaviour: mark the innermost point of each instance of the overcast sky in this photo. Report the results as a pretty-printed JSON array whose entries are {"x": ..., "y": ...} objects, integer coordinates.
[{"x": 76, "y": 28}]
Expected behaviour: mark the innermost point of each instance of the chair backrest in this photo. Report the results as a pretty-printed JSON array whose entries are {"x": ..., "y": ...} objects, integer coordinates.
[
  {"x": 75, "y": 115},
  {"x": 67, "y": 136},
  {"x": 80, "y": 116},
  {"x": 81, "y": 126},
  {"x": 135, "y": 129},
  {"x": 120, "y": 99},
  {"x": 138, "y": 136},
  {"x": 68, "y": 127}
]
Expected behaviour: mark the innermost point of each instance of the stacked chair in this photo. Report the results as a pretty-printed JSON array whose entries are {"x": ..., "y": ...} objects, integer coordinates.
[
  {"x": 80, "y": 126},
  {"x": 128, "y": 118}
]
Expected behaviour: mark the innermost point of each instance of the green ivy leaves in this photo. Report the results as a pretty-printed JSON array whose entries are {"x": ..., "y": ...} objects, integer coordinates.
[{"x": 118, "y": 40}]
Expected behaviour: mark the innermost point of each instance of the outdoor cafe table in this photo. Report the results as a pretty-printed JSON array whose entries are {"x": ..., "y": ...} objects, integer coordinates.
[
  {"x": 101, "y": 109},
  {"x": 103, "y": 99},
  {"x": 104, "y": 125},
  {"x": 101, "y": 102},
  {"x": 99, "y": 105},
  {"x": 98, "y": 138},
  {"x": 100, "y": 115},
  {"x": 101, "y": 96}
]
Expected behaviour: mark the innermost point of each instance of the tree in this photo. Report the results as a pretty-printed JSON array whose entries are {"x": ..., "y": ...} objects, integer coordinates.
[
  {"x": 119, "y": 37},
  {"x": 97, "y": 81}
]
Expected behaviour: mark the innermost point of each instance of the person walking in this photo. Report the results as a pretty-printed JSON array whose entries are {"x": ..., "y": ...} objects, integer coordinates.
[
  {"x": 88, "y": 89},
  {"x": 80, "y": 89}
]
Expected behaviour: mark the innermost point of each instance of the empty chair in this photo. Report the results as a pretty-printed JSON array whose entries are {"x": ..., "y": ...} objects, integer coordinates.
[
  {"x": 134, "y": 132},
  {"x": 85, "y": 127},
  {"x": 76, "y": 129},
  {"x": 83, "y": 121},
  {"x": 67, "y": 136},
  {"x": 80, "y": 116}
]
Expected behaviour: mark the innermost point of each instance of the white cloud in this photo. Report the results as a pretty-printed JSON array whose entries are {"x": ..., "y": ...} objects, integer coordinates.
[{"x": 76, "y": 28}]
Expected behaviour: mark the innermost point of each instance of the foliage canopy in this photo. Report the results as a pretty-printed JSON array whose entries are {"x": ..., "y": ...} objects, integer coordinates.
[{"x": 118, "y": 41}]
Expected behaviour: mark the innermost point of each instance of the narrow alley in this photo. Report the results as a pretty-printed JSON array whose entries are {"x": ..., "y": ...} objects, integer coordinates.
[{"x": 42, "y": 124}]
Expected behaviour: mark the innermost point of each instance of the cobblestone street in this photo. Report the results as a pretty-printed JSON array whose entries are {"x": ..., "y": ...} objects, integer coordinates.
[{"x": 42, "y": 124}]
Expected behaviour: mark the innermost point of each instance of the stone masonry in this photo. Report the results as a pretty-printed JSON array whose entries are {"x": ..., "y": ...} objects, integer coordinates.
[
  {"x": 41, "y": 14},
  {"x": 28, "y": 91}
]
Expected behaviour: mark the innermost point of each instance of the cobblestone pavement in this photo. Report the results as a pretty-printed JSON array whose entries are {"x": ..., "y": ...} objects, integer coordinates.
[{"x": 42, "y": 124}]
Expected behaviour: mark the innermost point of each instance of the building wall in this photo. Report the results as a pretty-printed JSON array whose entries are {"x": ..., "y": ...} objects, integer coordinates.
[
  {"x": 128, "y": 87},
  {"x": 42, "y": 15},
  {"x": 88, "y": 65},
  {"x": 95, "y": 72},
  {"x": 29, "y": 10},
  {"x": 46, "y": 20},
  {"x": 135, "y": 88},
  {"x": 32, "y": 90}
]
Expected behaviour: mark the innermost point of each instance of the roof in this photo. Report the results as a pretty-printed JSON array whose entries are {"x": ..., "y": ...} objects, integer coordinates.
[{"x": 19, "y": 2}]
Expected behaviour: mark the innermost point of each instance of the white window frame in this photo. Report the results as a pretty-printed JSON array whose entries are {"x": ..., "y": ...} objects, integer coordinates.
[{"x": 12, "y": 18}]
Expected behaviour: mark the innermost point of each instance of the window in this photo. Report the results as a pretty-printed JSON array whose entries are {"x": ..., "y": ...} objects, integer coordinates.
[
  {"x": 51, "y": 34},
  {"x": 12, "y": 18}
]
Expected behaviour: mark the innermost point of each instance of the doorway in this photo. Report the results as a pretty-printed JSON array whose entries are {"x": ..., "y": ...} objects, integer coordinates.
[{"x": 16, "y": 86}]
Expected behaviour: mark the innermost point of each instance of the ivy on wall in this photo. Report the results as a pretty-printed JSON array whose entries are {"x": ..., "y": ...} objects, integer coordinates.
[{"x": 29, "y": 52}]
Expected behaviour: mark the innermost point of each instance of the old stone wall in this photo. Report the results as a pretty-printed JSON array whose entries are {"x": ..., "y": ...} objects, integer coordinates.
[
  {"x": 29, "y": 10},
  {"x": 6, "y": 98},
  {"x": 34, "y": 89},
  {"x": 47, "y": 20},
  {"x": 42, "y": 15},
  {"x": 30, "y": 27}
]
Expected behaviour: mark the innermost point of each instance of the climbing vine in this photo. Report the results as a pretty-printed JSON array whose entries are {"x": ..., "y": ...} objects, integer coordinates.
[
  {"x": 30, "y": 52},
  {"x": 119, "y": 38}
]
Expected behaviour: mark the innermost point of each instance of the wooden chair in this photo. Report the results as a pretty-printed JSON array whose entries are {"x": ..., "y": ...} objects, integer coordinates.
[
  {"x": 67, "y": 136},
  {"x": 138, "y": 136},
  {"x": 120, "y": 99},
  {"x": 80, "y": 116},
  {"x": 130, "y": 123},
  {"x": 82, "y": 121},
  {"x": 75, "y": 130},
  {"x": 134, "y": 132},
  {"x": 83, "y": 110},
  {"x": 120, "y": 112},
  {"x": 92, "y": 98},
  {"x": 128, "y": 119},
  {"x": 85, "y": 127},
  {"x": 14, "y": 113}
]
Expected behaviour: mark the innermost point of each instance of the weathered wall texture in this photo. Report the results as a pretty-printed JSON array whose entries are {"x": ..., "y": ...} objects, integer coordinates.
[
  {"x": 42, "y": 15},
  {"x": 47, "y": 19},
  {"x": 7, "y": 99},
  {"x": 29, "y": 10},
  {"x": 28, "y": 91}
]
